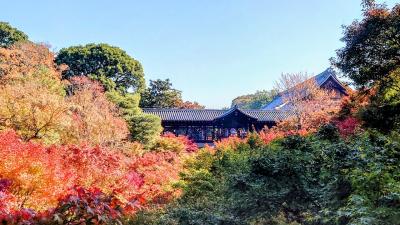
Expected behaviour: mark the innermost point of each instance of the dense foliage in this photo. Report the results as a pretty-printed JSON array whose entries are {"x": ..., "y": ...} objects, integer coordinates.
[
  {"x": 34, "y": 103},
  {"x": 10, "y": 35},
  {"x": 161, "y": 94},
  {"x": 79, "y": 150},
  {"x": 145, "y": 128},
  {"x": 110, "y": 65},
  {"x": 318, "y": 179},
  {"x": 254, "y": 101},
  {"x": 370, "y": 59},
  {"x": 43, "y": 179},
  {"x": 371, "y": 51}
]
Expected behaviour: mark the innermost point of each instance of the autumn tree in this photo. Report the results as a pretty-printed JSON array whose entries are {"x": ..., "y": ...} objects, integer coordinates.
[
  {"x": 27, "y": 58},
  {"x": 310, "y": 104},
  {"x": 32, "y": 96},
  {"x": 34, "y": 103},
  {"x": 10, "y": 35},
  {"x": 121, "y": 76},
  {"x": 95, "y": 120},
  {"x": 371, "y": 45},
  {"x": 370, "y": 59}
]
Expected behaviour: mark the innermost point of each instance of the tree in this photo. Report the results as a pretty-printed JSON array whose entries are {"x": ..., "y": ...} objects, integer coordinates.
[
  {"x": 26, "y": 58},
  {"x": 145, "y": 128},
  {"x": 33, "y": 101},
  {"x": 32, "y": 97},
  {"x": 95, "y": 120},
  {"x": 110, "y": 65},
  {"x": 33, "y": 109},
  {"x": 370, "y": 59},
  {"x": 311, "y": 105},
  {"x": 10, "y": 35},
  {"x": 254, "y": 101},
  {"x": 371, "y": 45},
  {"x": 160, "y": 94},
  {"x": 127, "y": 103},
  {"x": 190, "y": 105}
]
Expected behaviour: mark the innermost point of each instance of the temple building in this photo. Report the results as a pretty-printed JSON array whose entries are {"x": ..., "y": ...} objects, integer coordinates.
[{"x": 208, "y": 125}]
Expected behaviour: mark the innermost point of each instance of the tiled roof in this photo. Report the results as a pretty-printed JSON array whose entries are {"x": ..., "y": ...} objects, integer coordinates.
[
  {"x": 232, "y": 110},
  {"x": 320, "y": 79},
  {"x": 212, "y": 114},
  {"x": 185, "y": 114}
]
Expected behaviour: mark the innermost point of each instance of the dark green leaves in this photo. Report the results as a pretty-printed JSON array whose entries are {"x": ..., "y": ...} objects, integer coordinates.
[
  {"x": 110, "y": 65},
  {"x": 10, "y": 35}
]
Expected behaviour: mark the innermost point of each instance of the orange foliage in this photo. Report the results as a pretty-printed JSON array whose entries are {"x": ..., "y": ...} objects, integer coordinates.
[
  {"x": 27, "y": 58},
  {"x": 189, "y": 105},
  {"x": 229, "y": 143},
  {"x": 95, "y": 120},
  {"x": 178, "y": 144},
  {"x": 40, "y": 175},
  {"x": 33, "y": 102}
]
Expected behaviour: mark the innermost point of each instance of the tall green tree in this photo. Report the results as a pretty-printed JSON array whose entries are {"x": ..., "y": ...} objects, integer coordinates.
[
  {"x": 161, "y": 94},
  {"x": 110, "y": 65},
  {"x": 123, "y": 79},
  {"x": 371, "y": 59},
  {"x": 10, "y": 35},
  {"x": 372, "y": 45}
]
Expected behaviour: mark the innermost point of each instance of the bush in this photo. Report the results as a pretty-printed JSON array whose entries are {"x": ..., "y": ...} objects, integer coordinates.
[
  {"x": 295, "y": 180},
  {"x": 254, "y": 140},
  {"x": 328, "y": 132},
  {"x": 88, "y": 207},
  {"x": 145, "y": 128},
  {"x": 177, "y": 144},
  {"x": 348, "y": 126},
  {"x": 35, "y": 177}
]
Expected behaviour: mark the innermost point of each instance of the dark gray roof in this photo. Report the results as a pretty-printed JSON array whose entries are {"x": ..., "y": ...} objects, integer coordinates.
[{"x": 212, "y": 114}]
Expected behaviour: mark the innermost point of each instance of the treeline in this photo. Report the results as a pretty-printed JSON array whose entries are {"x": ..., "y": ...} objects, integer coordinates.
[{"x": 108, "y": 72}]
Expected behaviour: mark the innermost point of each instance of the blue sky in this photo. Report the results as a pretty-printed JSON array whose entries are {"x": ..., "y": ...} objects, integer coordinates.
[{"x": 212, "y": 50}]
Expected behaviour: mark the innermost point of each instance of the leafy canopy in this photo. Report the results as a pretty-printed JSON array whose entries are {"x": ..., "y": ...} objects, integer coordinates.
[
  {"x": 371, "y": 45},
  {"x": 370, "y": 59},
  {"x": 145, "y": 128},
  {"x": 10, "y": 35},
  {"x": 110, "y": 65},
  {"x": 256, "y": 100},
  {"x": 161, "y": 94}
]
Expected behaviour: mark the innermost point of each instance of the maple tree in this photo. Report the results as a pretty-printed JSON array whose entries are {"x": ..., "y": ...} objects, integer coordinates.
[
  {"x": 95, "y": 120},
  {"x": 311, "y": 104}
]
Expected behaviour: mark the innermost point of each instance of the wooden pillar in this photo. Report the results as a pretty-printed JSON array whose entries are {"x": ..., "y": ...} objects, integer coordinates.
[
  {"x": 213, "y": 133},
  {"x": 204, "y": 132}
]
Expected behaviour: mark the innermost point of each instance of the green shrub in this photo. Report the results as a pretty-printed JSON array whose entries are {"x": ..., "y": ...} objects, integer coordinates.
[
  {"x": 145, "y": 128},
  {"x": 328, "y": 132}
]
